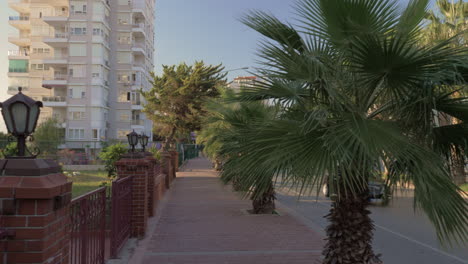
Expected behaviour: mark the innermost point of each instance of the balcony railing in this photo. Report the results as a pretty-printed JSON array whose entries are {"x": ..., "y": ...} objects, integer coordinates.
[
  {"x": 17, "y": 70},
  {"x": 15, "y": 88},
  {"x": 53, "y": 99},
  {"x": 139, "y": 25},
  {"x": 18, "y": 18},
  {"x": 17, "y": 53},
  {"x": 62, "y": 35},
  {"x": 136, "y": 102},
  {"x": 19, "y": 1},
  {"x": 138, "y": 122},
  {"x": 60, "y": 76}
]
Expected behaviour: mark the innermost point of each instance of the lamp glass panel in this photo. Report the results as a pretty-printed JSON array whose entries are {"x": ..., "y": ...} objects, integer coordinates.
[
  {"x": 33, "y": 116},
  {"x": 8, "y": 121},
  {"x": 144, "y": 140},
  {"x": 20, "y": 114},
  {"x": 134, "y": 139}
]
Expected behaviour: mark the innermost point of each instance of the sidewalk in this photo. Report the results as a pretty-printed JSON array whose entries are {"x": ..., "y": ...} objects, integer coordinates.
[{"x": 204, "y": 222}]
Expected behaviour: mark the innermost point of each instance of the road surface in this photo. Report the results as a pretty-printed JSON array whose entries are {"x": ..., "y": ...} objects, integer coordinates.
[{"x": 402, "y": 235}]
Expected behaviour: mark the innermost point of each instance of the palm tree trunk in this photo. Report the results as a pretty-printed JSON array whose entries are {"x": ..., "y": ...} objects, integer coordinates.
[
  {"x": 457, "y": 168},
  {"x": 349, "y": 234},
  {"x": 264, "y": 203}
]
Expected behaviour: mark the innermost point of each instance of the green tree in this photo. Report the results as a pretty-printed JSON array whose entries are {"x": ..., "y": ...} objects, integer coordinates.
[
  {"x": 48, "y": 136},
  {"x": 110, "y": 155},
  {"x": 449, "y": 20},
  {"x": 175, "y": 103},
  {"x": 223, "y": 137},
  {"x": 356, "y": 89}
]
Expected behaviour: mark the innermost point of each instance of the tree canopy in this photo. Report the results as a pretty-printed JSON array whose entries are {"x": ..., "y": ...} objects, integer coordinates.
[{"x": 176, "y": 102}]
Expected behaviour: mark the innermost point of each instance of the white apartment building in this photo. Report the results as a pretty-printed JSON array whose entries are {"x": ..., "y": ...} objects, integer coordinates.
[{"x": 86, "y": 60}]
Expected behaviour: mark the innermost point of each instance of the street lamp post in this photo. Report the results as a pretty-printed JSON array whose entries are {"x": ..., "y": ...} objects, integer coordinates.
[
  {"x": 20, "y": 113},
  {"x": 133, "y": 140},
  {"x": 144, "y": 141}
]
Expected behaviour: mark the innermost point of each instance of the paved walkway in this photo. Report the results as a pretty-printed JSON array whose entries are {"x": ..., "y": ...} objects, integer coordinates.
[{"x": 204, "y": 222}]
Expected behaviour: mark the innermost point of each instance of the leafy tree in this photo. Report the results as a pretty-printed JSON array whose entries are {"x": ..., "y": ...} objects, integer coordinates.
[
  {"x": 110, "y": 155},
  {"x": 355, "y": 89},
  {"x": 48, "y": 136},
  {"x": 223, "y": 137},
  {"x": 175, "y": 103}
]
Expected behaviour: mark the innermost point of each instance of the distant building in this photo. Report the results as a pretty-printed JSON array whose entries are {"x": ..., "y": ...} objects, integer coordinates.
[
  {"x": 243, "y": 81},
  {"x": 86, "y": 60}
]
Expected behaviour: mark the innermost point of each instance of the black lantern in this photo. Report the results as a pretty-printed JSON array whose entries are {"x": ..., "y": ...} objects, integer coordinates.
[
  {"x": 20, "y": 113},
  {"x": 144, "y": 141},
  {"x": 133, "y": 140}
]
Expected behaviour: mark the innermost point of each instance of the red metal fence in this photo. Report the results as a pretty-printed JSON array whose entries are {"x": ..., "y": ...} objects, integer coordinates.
[
  {"x": 88, "y": 224},
  {"x": 121, "y": 213}
]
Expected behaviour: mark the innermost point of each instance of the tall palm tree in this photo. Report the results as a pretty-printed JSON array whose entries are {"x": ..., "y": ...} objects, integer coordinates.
[
  {"x": 222, "y": 135},
  {"x": 356, "y": 89},
  {"x": 450, "y": 20}
]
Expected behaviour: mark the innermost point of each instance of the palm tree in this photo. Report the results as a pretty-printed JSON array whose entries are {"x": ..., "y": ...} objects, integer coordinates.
[
  {"x": 356, "y": 89},
  {"x": 450, "y": 20},
  {"x": 222, "y": 135}
]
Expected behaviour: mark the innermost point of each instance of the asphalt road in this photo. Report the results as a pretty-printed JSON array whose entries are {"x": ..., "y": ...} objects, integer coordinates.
[{"x": 402, "y": 235}]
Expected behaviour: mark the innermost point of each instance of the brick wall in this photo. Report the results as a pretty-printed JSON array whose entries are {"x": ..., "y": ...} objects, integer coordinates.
[
  {"x": 138, "y": 168},
  {"x": 36, "y": 208}
]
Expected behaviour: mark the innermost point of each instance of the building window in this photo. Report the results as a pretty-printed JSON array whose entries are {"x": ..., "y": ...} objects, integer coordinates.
[
  {"x": 95, "y": 134},
  {"x": 76, "y": 115},
  {"x": 76, "y": 133},
  {"x": 78, "y": 31},
  {"x": 122, "y": 134}
]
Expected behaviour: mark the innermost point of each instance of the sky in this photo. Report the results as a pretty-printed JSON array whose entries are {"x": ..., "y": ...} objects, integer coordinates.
[{"x": 187, "y": 31}]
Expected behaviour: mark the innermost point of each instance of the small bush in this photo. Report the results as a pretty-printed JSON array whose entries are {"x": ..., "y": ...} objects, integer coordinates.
[{"x": 110, "y": 155}]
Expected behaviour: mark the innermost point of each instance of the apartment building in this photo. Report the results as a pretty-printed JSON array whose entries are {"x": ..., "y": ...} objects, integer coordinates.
[{"x": 86, "y": 60}]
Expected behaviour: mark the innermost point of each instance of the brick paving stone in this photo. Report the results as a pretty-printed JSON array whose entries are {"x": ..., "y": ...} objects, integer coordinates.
[{"x": 204, "y": 222}]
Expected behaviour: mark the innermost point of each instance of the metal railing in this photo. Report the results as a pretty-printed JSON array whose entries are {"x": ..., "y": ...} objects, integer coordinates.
[
  {"x": 139, "y": 25},
  {"x": 53, "y": 99},
  {"x": 61, "y": 35},
  {"x": 60, "y": 76},
  {"x": 88, "y": 224},
  {"x": 15, "y": 88},
  {"x": 18, "y": 18},
  {"x": 17, "y": 53},
  {"x": 121, "y": 213},
  {"x": 138, "y": 122}
]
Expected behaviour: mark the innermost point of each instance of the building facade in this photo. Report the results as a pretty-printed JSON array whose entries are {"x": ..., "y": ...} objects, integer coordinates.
[{"x": 86, "y": 60}]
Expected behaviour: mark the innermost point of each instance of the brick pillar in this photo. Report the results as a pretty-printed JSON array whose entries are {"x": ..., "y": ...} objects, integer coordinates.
[
  {"x": 137, "y": 166},
  {"x": 151, "y": 178},
  {"x": 34, "y": 206},
  {"x": 167, "y": 168}
]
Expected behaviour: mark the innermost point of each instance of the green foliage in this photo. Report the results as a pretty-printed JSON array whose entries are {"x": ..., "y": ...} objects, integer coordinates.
[
  {"x": 110, "y": 155},
  {"x": 156, "y": 153},
  {"x": 48, "y": 136},
  {"x": 176, "y": 101},
  {"x": 355, "y": 89},
  {"x": 10, "y": 149}
]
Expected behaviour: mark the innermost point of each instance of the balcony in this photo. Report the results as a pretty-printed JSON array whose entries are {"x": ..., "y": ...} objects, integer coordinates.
[
  {"x": 57, "y": 60},
  {"x": 139, "y": 49},
  {"x": 57, "y": 80},
  {"x": 58, "y": 40},
  {"x": 20, "y": 40},
  {"x": 54, "y": 101},
  {"x": 14, "y": 89},
  {"x": 138, "y": 122},
  {"x": 57, "y": 20},
  {"x": 21, "y": 6},
  {"x": 20, "y": 22},
  {"x": 139, "y": 29},
  {"x": 18, "y": 55}
]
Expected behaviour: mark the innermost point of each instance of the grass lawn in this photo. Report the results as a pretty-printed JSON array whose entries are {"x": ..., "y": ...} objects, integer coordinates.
[
  {"x": 464, "y": 187},
  {"x": 87, "y": 181}
]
